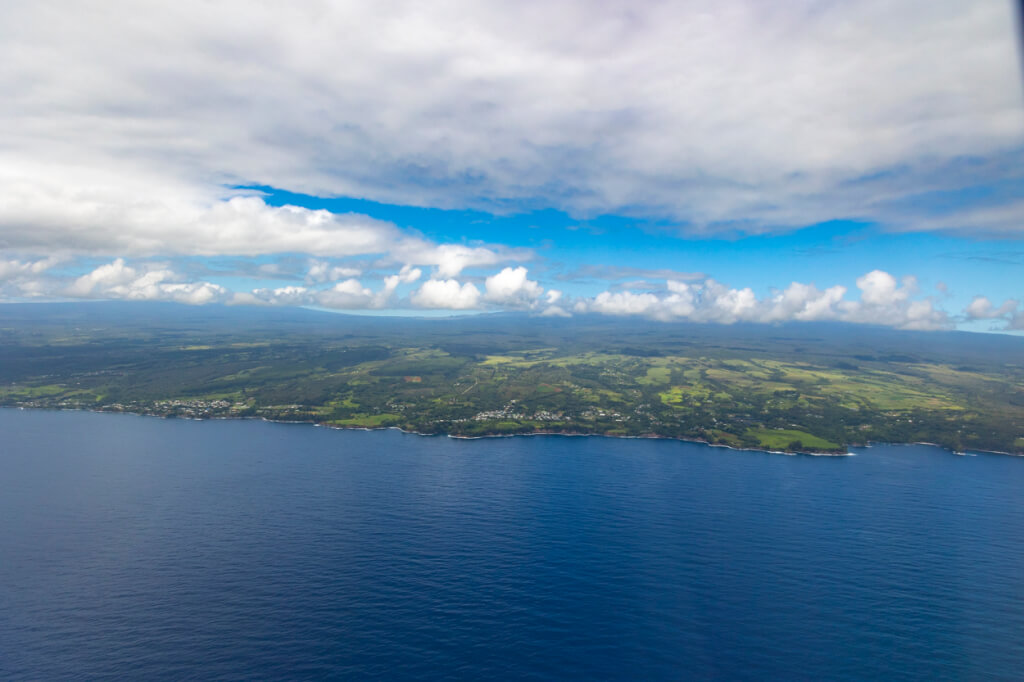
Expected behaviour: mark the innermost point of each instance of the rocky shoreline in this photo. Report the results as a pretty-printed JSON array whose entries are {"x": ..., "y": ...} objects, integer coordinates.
[{"x": 844, "y": 452}]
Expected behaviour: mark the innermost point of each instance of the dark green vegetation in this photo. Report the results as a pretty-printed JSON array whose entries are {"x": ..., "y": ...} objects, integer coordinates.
[{"x": 798, "y": 387}]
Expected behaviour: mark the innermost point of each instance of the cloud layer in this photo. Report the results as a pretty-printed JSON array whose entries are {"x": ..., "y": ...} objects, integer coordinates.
[
  {"x": 882, "y": 300},
  {"x": 1008, "y": 313},
  {"x": 129, "y": 133},
  {"x": 123, "y": 123}
]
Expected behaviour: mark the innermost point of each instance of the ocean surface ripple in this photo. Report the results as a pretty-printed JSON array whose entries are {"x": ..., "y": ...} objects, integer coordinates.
[{"x": 163, "y": 549}]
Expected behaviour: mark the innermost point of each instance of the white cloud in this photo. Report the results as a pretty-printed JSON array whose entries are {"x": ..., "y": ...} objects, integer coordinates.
[
  {"x": 883, "y": 301},
  {"x": 119, "y": 212},
  {"x": 105, "y": 277},
  {"x": 728, "y": 305},
  {"x": 349, "y": 294},
  {"x": 446, "y": 294},
  {"x": 981, "y": 308},
  {"x": 805, "y": 302},
  {"x": 120, "y": 125},
  {"x": 117, "y": 280},
  {"x": 83, "y": 211},
  {"x": 322, "y": 271},
  {"x": 291, "y": 295},
  {"x": 192, "y": 293},
  {"x": 11, "y": 269},
  {"x": 555, "y": 311},
  {"x": 25, "y": 278},
  {"x": 923, "y": 315},
  {"x": 451, "y": 259},
  {"x": 621, "y": 303},
  {"x": 407, "y": 275},
  {"x": 880, "y": 288},
  {"x": 510, "y": 287},
  {"x": 1000, "y": 220}
]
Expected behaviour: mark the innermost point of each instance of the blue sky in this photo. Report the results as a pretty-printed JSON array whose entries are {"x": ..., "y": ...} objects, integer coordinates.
[
  {"x": 836, "y": 252},
  {"x": 701, "y": 161}
]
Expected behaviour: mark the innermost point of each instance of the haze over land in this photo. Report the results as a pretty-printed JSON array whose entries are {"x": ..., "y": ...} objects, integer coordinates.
[{"x": 697, "y": 161}]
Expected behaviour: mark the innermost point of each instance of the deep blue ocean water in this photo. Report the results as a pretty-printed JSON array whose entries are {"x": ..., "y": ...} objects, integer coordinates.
[{"x": 162, "y": 549}]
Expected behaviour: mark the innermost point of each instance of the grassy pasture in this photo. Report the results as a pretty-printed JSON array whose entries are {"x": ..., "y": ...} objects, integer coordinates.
[
  {"x": 675, "y": 381},
  {"x": 655, "y": 376},
  {"x": 680, "y": 395},
  {"x": 780, "y": 439},
  {"x": 368, "y": 420}
]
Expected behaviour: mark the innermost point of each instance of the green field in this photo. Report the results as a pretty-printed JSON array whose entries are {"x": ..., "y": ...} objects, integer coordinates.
[
  {"x": 370, "y": 421},
  {"x": 752, "y": 388},
  {"x": 790, "y": 439}
]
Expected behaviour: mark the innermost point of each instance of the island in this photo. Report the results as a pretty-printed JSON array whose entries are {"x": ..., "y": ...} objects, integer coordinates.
[{"x": 800, "y": 387}]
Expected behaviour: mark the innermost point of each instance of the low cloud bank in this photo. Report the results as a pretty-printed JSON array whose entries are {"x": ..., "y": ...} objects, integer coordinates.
[
  {"x": 981, "y": 308},
  {"x": 879, "y": 298},
  {"x": 883, "y": 300}
]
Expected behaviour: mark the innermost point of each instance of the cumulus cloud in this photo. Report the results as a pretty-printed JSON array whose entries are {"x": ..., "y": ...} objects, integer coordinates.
[
  {"x": 882, "y": 301},
  {"x": 510, "y": 287},
  {"x": 117, "y": 280},
  {"x": 804, "y": 302},
  {"x": 447, "y": 294},
  {"x": 407, "y": 275},
  {"x": 450, "y": 260},
  {"x": 322, "y": 271},
  {"x": 192, "y": 293},
  {"x": 101, "y": 211},
  {"x": 349, "y": 294},
  {"x": 981, "y": 308},
  {"x": 555, "y": 311},
  {"x": 885, "y": 301},
  {"x": 880, "y": 288},
  {"x": 744, "y": 115},
  {"x": 290, "y": 295},
  {"x": 621, "y": 303},
  {"x": 98, "y": 212},
  {"x": 24, "y": 278},
  {"x": 11, "y": 269}
]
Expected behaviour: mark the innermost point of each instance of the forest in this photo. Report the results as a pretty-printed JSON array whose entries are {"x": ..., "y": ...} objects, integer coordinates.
[{"x": 800, "y": 387}]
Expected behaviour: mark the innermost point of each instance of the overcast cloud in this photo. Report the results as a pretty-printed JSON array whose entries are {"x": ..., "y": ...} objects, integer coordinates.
[
  {"x": 744, "y": 114},
  {"x": 126, "y": 129}
]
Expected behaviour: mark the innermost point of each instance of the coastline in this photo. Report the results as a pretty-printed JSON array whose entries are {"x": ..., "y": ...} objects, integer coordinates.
[{"x": 805, "y": 453}]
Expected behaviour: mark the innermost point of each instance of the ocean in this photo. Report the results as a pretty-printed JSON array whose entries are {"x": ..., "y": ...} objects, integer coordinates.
[{"x": 164, "y": 549}]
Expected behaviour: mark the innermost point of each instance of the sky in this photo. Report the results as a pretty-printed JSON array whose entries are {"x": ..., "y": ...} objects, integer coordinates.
[{"x": 718, "y": 162}]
